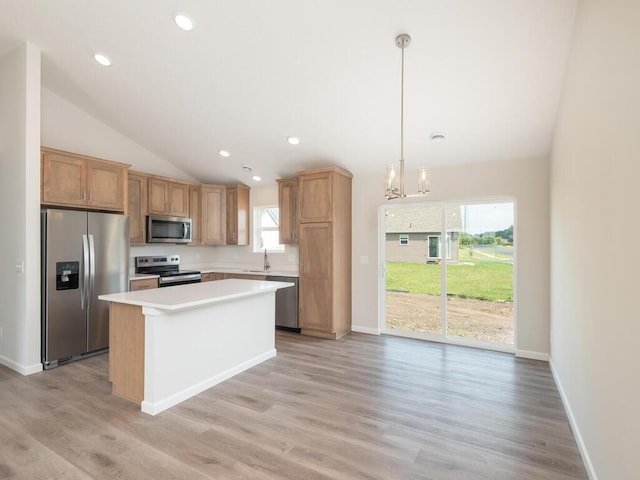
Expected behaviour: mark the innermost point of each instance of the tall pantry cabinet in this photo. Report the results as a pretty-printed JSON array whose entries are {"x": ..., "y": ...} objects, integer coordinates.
[{"x": 324, "y": 209}]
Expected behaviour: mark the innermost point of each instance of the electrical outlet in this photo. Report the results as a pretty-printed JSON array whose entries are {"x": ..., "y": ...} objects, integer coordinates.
[
  {"x": 364, "y": 259},
  {"x": 20, "y": 266}
]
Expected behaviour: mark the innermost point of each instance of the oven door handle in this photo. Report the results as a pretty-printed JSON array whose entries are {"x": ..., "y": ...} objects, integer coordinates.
[{"x": 177, "y": 279}]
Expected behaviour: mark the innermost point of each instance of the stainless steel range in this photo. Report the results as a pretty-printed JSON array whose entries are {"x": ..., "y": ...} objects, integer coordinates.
[{"x": 168, "y": 267}]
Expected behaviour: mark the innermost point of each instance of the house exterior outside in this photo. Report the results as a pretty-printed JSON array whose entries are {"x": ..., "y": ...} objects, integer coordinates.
[{"x": 413, "y": 234}]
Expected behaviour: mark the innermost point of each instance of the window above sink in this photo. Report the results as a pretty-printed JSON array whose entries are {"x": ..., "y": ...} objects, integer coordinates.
[{"x": 265, "y": 230}]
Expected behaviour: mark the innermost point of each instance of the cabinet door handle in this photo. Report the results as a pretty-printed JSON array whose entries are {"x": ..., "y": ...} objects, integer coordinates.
[{"x": 84, "y": 195}]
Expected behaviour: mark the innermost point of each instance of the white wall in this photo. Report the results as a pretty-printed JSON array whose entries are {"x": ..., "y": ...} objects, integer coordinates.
[
  {"x": 595, "y": 324},
  {"x": 20, "y": 203},
  {"x": 524, "y": 180},
  {"x": 67, "y": 127}
]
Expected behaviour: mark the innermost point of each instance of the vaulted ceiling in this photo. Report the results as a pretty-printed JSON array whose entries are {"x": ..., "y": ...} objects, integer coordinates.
[{"x": 488, "y": 74}]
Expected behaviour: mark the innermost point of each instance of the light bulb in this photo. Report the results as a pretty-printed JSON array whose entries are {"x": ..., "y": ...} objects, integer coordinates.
[{"x": 184, "y": 22}]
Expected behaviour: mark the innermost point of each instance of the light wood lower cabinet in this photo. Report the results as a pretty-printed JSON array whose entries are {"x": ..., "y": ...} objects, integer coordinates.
[
  {"x": 212, "y": 276},
  {"x": 246, "y": 276},
  {"x": 315, "y": 276},
  {"x": 142, "y": 284}
]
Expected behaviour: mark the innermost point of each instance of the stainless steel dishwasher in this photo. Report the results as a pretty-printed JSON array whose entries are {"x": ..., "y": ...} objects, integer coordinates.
[{"x": 286, "y": 304}]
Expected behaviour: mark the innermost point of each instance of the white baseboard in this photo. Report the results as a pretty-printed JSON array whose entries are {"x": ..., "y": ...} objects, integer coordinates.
[
  {"x": 153, "y": 408},
  {"x": 574, "y": 426},
  {"x": 532, "y": 355},
  {"x": 21, "y": 369},
  {"x": 369, "y": 330}
]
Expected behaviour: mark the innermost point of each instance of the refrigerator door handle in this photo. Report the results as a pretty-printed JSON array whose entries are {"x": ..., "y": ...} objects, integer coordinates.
[
  {"x": 92, "y": 269},
  {"x": 84, "y": 283}
]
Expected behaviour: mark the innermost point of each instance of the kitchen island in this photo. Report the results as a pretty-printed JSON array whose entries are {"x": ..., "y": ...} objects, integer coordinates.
[{"x": 169, "y": 344}]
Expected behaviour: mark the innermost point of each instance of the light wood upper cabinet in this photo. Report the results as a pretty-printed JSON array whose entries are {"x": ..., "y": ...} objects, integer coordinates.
[
  {"x": 214, "y": 214},
  {"x": 288, "y": 210},
  {"x": 195, "y": 213},
  {"x": 316, "y": 197},
  {"x": 63, "y": 179},
  {"x": 105, "y": 184},
  {"x": 80, "y": 181},
  {"x": 179, "y": 199},
  {"x": 237, "y": 198},
  {"x": 168, "y": 197},
  {"x": 158, "y": 196},
  {"x": 137, "y": 207}
]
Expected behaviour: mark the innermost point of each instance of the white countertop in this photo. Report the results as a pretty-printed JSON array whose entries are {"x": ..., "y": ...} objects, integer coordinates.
[
  {"x": 180, "y": 297},
  {"x": 248, "y": 271}
]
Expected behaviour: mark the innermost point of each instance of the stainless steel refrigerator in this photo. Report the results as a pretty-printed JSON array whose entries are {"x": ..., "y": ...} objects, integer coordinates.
[{"x": 84, "y": 254}]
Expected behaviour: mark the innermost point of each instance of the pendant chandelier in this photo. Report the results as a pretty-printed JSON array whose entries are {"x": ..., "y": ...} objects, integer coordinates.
[{"x": 395, "y": 173}]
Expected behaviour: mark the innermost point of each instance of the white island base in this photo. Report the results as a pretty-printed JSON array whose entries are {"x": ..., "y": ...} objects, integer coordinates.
[{"x": 169, "y": 344}]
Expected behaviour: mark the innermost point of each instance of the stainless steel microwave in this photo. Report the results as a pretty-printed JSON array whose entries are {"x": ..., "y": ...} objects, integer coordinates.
[{"x": 166, "y": 229}]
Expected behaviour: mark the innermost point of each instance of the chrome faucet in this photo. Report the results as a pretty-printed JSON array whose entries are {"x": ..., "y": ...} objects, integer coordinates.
[{"x": 266, "y": 261}]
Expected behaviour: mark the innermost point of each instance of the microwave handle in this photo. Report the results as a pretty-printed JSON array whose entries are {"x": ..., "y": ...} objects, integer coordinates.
[{"x": 184, "y": 230}]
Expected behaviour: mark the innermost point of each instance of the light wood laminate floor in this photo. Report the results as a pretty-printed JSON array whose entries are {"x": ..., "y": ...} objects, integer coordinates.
[{"x": 363, "y": 407}]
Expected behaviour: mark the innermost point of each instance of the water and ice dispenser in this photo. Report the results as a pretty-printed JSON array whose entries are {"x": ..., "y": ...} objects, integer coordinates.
[{"x": 67, "y": 275}]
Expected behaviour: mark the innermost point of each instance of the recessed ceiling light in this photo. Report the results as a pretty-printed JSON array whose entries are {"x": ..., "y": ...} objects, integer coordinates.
[
  {"x": 184, "y": 22},
  {"x": 257, "y": 178},
  {"x": 293, "y": 140},
  {"x": 224, "y": 153},
  {"x": 102, "y": 59},
  {"x": 437, "y": 137}
]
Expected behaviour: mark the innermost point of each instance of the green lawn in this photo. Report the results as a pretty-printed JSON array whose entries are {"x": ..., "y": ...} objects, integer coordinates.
[{"x": 491, "y": 281}]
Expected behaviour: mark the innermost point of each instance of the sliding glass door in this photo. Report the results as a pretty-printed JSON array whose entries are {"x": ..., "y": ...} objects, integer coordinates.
[
  {"x": 413, "y": 280},
  {"x": 448, "y": 272}
]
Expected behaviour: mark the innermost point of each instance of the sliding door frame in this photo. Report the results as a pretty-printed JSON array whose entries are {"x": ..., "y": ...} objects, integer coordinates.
[{"x": 442, "y": 337}]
